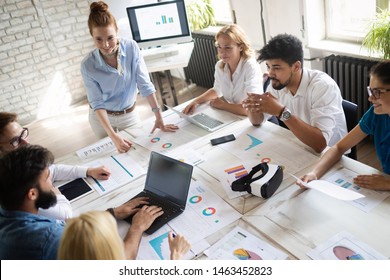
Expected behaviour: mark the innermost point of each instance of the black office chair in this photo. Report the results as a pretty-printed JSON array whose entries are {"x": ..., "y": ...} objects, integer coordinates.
[{"x": 351, "y": 116}]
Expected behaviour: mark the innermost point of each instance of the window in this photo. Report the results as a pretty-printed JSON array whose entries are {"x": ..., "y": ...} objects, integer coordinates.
[
  {"x": 349, "y": 20},
  {"x": 222, "y": 11}
]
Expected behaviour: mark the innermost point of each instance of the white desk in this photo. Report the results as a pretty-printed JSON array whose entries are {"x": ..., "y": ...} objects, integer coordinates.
[
  {"x": 165, "y": 64},
  {"x": 292, "y": 220}
]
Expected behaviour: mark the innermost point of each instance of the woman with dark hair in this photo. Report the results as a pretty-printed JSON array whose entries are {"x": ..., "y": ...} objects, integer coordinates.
[{"x": 376, "y": 122}]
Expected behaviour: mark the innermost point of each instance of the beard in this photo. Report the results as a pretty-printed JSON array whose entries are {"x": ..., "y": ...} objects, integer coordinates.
[
  {"x": 46, "y": 199},
  {"x": 277, "y": 85}
]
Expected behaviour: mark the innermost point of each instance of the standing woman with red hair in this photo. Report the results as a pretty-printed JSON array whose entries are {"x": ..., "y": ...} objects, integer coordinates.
[{"x": 113, "y": 73}]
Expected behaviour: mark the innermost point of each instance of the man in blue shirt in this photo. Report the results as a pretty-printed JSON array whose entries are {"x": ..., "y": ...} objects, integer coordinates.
[{"x": 25, "y": 186}]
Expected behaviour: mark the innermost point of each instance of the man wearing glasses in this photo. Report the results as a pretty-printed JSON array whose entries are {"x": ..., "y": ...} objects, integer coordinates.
[
  {"x": 307, "y": 101},
  {"x": 376, "y": 122},
  {"x": 13, "y": 135}
]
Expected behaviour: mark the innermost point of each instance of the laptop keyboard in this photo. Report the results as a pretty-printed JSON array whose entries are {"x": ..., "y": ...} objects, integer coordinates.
[
  {"x": 168, "y": 208},
  {"x": 207, "y": 120}
]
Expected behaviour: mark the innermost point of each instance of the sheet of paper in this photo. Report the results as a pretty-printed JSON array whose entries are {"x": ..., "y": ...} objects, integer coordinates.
[
  {"x": 253, "y": 144},
  {"x": 186, "y": 154},
  {"x": 344, "y": 246},
  {"x": 123, "y": 170},
  {"x": 239, "y": 244},
  {"x": 344, "y": 178},
  {"x": 99, "y": 148},
  {"x": 232, "y": 172},
  {"x": 330, "y": 189},
  {"x": 156, "y": 246},
  {"x": 163, "y": 142},
  {"x": 205, "y": 214}
]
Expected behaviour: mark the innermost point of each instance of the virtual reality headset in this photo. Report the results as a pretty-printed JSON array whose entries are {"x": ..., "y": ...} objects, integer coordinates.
[{"x": 263, "y": 185}]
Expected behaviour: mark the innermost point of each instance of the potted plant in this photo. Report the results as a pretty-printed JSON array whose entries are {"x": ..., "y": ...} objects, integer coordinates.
[
  {"x": 200, "y": 14},
  {"x": 378, "y": 37}
]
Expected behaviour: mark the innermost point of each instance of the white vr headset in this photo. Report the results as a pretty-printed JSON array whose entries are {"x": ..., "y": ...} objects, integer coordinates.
[{"x": 263, "y": 185}]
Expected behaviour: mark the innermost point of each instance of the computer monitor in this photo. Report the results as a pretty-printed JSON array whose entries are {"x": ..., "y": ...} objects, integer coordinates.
[{"x": 159, "y": 24}]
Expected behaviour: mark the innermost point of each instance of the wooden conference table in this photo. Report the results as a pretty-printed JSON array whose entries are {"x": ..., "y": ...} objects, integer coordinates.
[{"x": 292, "y": 220}]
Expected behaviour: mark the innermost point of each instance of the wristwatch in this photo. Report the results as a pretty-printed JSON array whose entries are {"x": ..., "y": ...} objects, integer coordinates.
[
  {"x": 156, "y": 109},
  {"x": 285, "y": 115}
]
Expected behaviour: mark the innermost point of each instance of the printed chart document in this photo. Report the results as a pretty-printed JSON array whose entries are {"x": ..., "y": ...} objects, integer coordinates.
[
  {"x": 163, "y": 142},
  {"x": 156, "y": 246},
  {"x": 344, "y": 246},
  {"x": 344, "y": 179},
  {"x": 253, "y": 144},
  {"x": 239, "y": 244},
  {"x": 123, "y": 170},
  {"x": 205, "y": 214},
  {"x": 99, "y": 148},
  {"x": 186, "y": 154},
  {"x": 330, "y": 189},
  {"x": 232, "y": 172}
]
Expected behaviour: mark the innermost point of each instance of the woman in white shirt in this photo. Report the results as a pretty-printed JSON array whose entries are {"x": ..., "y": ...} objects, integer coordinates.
[{"x": 236, "y": 73}]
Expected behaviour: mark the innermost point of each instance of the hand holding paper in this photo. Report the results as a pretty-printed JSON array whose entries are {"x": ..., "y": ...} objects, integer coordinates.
[{"x": 330, "y": 189}]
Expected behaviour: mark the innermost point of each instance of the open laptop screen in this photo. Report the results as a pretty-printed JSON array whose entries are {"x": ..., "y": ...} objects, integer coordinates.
[{"x": 168, "y": 177}]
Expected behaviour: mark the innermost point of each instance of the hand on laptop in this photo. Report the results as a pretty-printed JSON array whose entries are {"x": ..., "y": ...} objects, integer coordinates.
[
  {"x": 145, "y": 217},
  {"x": 130, "y": 207},
  {"x": 190, "y": 108},
  {"x": 178, "y": 245}
]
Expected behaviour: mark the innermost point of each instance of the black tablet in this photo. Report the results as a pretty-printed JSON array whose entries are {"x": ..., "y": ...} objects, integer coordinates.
[{"x": 75, "y": 189}]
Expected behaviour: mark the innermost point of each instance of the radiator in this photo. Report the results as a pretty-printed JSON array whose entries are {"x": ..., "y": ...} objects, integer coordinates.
[
  {"x": 352, "y": 76},
  {"x": 200, "y": 69}
]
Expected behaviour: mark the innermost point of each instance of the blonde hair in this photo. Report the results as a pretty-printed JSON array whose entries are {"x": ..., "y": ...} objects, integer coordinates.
[
  {"x": 91, "y": 236},
  {"x": 100, "y": 16},
  {"x": 238, "y": 35}
]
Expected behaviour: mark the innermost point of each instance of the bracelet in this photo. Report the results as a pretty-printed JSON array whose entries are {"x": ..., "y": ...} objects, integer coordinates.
[
  {"x": 156, "y": 109},
  {"x": 111, "y": 211}
]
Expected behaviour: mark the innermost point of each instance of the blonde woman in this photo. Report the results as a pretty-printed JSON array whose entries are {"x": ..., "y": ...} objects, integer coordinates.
[
  {"x": 236, "y": 73},
  {"x": 94, "y": 236}
]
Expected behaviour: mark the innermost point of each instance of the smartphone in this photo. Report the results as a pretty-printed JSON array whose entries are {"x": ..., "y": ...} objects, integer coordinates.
[{"x": 223, "y": 139}]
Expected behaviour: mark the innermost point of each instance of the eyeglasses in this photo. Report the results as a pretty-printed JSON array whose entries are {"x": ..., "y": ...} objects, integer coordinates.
[
  {"x": 376, "y": 92},
  {"x": 16, "y": 140}
]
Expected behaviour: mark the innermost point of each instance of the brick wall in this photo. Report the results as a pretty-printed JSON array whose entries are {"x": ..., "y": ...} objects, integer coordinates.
[{"x": 42, "y": 43}]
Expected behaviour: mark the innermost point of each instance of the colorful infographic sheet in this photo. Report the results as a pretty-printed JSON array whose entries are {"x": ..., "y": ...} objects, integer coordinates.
[
  {"x": 344, "y": 178},
  {"x": 253, "y": 144},
  {"x": 344, "y": 246},
  {"x": 205, "y": 214},
  {"x": 239, "y": 244},
  {"x": 163, "y": 142}
]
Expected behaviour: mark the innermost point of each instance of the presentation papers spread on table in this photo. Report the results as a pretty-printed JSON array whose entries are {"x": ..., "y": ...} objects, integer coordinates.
[
  {"x": 123, "y": 170},
  {"x": 101, "y": 147},
  {"x": 344, "y": 178},
  {"x": 163, "y": 142},
  {"x": 344, "y": 246},
  {"x": 239, "y": 244},
  {"x": 205, "y": 214},
  {"x": 254, "y": 144},
  {"x": 330, "y": 189}
]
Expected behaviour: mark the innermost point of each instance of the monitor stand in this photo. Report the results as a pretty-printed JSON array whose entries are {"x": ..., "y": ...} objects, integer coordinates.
[{"x": 160, "y": 52}]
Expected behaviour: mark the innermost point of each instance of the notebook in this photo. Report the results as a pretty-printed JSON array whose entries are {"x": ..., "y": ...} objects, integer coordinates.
[
  {"x": 167, "y": 184},
  {"x": 202, "y": 120}
]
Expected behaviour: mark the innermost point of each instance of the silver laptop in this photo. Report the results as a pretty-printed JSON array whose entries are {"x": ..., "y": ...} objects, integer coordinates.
[
  {"x": 167, "y": 184},
  {"x": 202, "y": 120}
]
